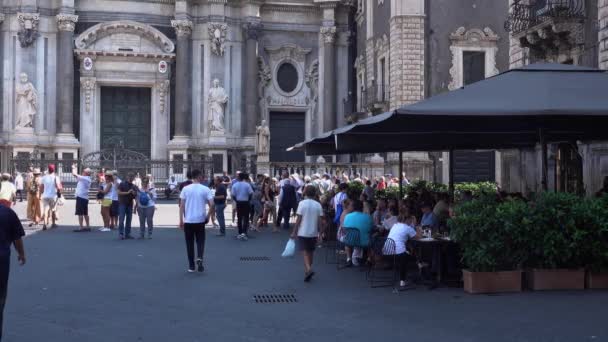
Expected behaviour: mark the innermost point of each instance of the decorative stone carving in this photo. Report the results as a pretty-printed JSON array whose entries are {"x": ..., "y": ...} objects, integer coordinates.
[
  {"x": 217, "y": 36},
  {"x": 472, "y": 40},
  {"x": 183, "y": 27},
  {"x": 163, "y": 90},
  {"x": 288, "y": 51},
  {"x": 26, "y": 102},
  {"x": 264, "y": 78},
  {"x": 312, "y": 81},
  {"x": 382, "y": 45},
  {"x": 253, "y": 30},
  {"x": 279, "y": 56},
  {"x": 88, "y": 85},
  {"x": 87, "y": 39},
  {"x": 217, "y": 101},
  {"x": 262, "y": 144},
  {"x": 66, "y": 22},
  {"x": 360, "y": 63},
  {"x": 28, "y": 33},
  {"x": 329, "y": 34}
]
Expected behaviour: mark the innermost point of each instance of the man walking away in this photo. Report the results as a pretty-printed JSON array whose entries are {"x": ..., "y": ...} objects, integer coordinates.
[
  {"x": 192, "y": 218},
  {"x": 49, "y": 187},
  {"x": 82, "y": 198},
  {"x": 220, "y": 204},
  {"x": 126, "y": 196},
  {"x": 306, "y": 230},
  {"x": 241, "y": 192},
  {"x": 288, "y": 202},
  {"x": 11, "y": 232},
  {"x": 19, "y": 185}
]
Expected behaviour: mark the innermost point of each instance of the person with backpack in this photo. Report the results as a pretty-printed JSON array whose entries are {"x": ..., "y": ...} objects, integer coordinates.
[
  {"x": 146, "y": 201},
  {"x": 50, "y": 187}
]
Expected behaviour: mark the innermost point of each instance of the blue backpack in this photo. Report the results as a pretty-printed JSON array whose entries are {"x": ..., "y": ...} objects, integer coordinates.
[{"x": 144, "y": 199}]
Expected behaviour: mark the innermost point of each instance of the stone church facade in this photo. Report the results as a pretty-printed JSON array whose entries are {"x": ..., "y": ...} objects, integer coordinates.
[{"x": 139, "y": 74}]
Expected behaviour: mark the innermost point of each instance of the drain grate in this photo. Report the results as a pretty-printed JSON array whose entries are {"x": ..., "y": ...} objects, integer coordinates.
[
  {"x": 275, "y": 299},
  {"x": 255, "y": 258}
]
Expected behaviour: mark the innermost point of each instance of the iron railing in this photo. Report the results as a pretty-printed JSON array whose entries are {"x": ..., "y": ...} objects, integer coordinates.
[
  {"x": 308, "y": 169},
  {"x": 526, "y": 14}
]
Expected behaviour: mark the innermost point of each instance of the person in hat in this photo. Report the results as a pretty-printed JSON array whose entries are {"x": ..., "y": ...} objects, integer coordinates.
[
  {"x": 82, "y": 198},
  {"x": 50, "y": 185},
  {"x": 7, "y": 191},
  {"x": 33, "y": 197}
]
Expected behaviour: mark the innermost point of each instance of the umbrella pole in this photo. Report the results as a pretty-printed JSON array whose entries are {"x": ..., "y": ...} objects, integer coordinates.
[
  {"x": 400, "y": 175},
  {"x": 543, "y": 144},
  {"x": 451, "y": 175}
]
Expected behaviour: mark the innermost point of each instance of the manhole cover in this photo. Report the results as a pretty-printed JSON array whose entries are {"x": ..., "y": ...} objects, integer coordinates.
[
  {"x": 275, "y": 298},
  {"x": 255, "y": 258}
]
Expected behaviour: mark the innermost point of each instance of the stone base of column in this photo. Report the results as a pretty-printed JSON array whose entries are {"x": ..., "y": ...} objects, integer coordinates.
[
  {"x": 66, "y": 140},
  {"x": 179, "y": 142},
  {"x": 263, "y": 164}
]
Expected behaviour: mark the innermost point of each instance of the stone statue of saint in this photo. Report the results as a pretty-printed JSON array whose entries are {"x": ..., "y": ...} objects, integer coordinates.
[
  {"x": 26, "y": 102},
  {"x": 217, "y": 100},
  {"x": 262, "y": 145}
]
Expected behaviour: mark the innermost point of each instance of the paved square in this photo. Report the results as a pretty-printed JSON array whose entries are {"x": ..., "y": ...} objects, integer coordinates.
[{"x": 92, "y": 287}]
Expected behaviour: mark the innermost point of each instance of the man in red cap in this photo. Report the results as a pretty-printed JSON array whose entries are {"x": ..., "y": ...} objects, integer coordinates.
[{"x": 49, "y": 188}]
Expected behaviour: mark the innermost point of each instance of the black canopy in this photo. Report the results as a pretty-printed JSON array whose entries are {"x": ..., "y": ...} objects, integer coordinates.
[{"x": 517, "y": 108}]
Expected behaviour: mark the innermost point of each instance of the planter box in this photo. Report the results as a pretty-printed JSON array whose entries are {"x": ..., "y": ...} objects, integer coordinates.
[
  {"x": 491, "y": 282},
  {"x": 597, "y": 280},
  {"x": 558, "y": 279}
]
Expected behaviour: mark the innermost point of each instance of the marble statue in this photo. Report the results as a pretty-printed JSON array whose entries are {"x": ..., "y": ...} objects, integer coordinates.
[
  {"x": 26, "y": 103},
  {"x": 217, "y": 100},
  {"x": 262, "y": 144}
]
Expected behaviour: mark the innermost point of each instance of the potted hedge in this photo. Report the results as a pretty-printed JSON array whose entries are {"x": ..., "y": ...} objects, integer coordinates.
[
  {"x": 592, "y": 221},
  {"x": 493, "y": 241},
  {"x": 557, "y": 257}
]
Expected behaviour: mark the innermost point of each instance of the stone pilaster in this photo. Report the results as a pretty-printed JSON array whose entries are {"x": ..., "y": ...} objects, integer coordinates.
[
  {"x": 328, "y": 37},
  {"x": 406, "y": 60},
  {"x": 183, "y": 103},
  {"x": 252, "y": 113},
  {"x": 66, "y": 24},
  {"x": 603, "y": 33}
]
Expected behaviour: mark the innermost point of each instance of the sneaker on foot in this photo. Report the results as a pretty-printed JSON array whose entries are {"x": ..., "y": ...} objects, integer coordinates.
[
  {"x": 244, "y": 237},
  {"x": 239, "y": 237},
  {"x": 199, "y": 265},
  {"x": 191, "y": 270}
]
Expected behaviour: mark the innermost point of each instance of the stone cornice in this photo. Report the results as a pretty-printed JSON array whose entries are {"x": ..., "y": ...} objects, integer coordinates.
[
  {"x": 81, "y": 53},
  {"x": 290, "y": 8}
]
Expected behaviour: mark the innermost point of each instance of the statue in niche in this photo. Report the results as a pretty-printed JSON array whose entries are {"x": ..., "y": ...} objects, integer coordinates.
[
  {"x": 262, "y": 145},
  {"x": 217, "y": 101},
  {"x": 26, "y": 102}
]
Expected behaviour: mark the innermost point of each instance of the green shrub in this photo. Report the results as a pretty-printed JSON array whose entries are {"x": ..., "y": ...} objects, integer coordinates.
[
  {"x": 477, "y": 189},
  {"x": 591, "y": 220},
  {"x": 354, "y": 190}
]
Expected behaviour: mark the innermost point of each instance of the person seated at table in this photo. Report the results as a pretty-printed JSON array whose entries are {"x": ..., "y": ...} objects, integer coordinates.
[
  {"x": 428, "y": 218},
  {"x": 391, "y": 218},
  {"x": 357, "y": 219},
  {"x": 380, "y": 213},
  {"x": 441, "y": 209},
  {"x": 401, "y": 232}
]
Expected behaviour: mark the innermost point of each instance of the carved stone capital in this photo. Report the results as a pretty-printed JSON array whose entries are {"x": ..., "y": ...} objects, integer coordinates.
[
  {"x": 66, "y": 22},
  {"x": 87, "y": 84},
  {"x": 328, "y": 33},
  {"x": 183, "y": 27},
  {"x": 28, "y": 31},
  {"x": 253, "y": 30}
]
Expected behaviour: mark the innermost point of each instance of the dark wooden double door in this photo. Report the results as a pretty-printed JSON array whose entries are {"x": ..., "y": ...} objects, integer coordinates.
[
  {"x": 126, "y": 118},
  {"x": 286, "y": 130}
]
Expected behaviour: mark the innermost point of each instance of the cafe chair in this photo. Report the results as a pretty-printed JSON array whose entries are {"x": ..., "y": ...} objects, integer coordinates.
[
  {"x": 383, "y": 274},
  {"x": 351, "y": 239}
]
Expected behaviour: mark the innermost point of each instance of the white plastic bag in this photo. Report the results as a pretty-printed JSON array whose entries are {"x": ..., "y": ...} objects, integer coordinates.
[{"x": 290, "y": 249}]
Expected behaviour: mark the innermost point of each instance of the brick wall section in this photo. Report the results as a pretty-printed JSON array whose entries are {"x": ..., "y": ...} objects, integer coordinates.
[
  {"x": 406, "y": 60},
  {"x": 603, "y": 33}
]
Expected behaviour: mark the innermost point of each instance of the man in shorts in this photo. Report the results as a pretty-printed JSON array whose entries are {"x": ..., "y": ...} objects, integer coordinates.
[
  {"x": 306, "y": 229},
  {"x": 49, "y": 186},
  {"x": 82, "y": 198}
]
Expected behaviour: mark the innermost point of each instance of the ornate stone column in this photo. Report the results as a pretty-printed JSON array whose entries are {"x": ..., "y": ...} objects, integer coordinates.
[
  {"x": 252, "y": 115},
  {"x": 183, "y": 103},
  {"x": 328, "y": 36},
  {"x": 66, "y": 23}
]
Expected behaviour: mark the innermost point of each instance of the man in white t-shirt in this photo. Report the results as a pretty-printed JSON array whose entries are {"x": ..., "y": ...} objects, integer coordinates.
[
  {"x": 49, "y": 187},
  {"x": 192, "y": 218},
  {"x": 82, "y": 198},
  {"x": 306, "y": 230},
  {"x": 400, "y": 233}
]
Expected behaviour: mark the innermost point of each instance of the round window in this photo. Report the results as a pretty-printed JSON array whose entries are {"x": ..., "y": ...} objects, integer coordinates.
[{"x": 287, "y": 77}]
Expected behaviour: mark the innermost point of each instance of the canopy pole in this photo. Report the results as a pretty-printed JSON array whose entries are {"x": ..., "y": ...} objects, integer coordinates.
[
  {"x": 544, "y": 167},
  {"x": 451, "y": 175},
  {"x": 400, "y": 175}
]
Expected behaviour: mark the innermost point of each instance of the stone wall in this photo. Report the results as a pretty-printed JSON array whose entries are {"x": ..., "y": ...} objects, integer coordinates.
[
  {"x": 603, "y": 33},
  {"x": 406, "y": 60}
]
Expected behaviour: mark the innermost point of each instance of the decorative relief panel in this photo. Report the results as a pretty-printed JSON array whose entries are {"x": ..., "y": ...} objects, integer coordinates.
[
  {"x": 28, "y": 31},
  {"x": 217, "y": 36},
  {"x": 88, "y": 86},
  {"x": 124, "y": 34},
  {"x": 287, "y": 74}
]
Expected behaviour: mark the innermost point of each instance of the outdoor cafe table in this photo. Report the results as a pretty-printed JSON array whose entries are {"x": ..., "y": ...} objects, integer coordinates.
[{"x": 435, "y": 251}]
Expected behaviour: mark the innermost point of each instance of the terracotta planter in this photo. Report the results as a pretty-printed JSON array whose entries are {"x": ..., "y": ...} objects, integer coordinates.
[
  {"x": 558, "y": 279},
  {"x": 597, "y": 280},
  {"x": 491, "y": 282}
]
